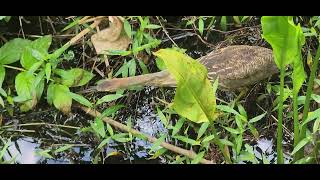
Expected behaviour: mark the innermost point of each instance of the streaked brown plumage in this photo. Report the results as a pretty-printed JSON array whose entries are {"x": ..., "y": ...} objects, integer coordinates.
[{"x": 237, "y": 66}]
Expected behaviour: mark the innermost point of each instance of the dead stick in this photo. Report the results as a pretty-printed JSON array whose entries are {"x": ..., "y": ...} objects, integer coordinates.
[
  {"x": 151, "y": 139},
  {"x": 83, "y": 19},
  {"x": 92, "y": 19},
  {"x": 83, "y": 32}
]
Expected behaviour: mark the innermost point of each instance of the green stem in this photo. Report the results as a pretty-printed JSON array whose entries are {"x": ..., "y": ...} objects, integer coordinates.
[
  {"x": 296, "y": 129},
  {"x": 280, "y": 116},
  {"x": 307, "y": 101},
  {"x": 295, "y": 121}
]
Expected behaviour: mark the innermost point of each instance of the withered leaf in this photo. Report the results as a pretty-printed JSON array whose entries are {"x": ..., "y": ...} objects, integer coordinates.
[{"x": 111, "y": 38}]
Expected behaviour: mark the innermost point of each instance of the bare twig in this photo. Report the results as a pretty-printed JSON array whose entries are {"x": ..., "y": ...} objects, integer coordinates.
[
  {"x": 166, "y": 32},
  {"x": 84, "y": 19},
  {"x": 202, "y": 40},
  {"x": 274, "y": 118},
  {"x": 3, "y": 39},
  {"x": 20, "y": 22},
  {"x": 83, "y": 32},
  {"x": 188, "y": 153},
  {"x": 91, "y": 19},
  {"x": 40, "y": 24},
  {"x": 13, "y": 67},
  {"x": 51, "y": 24}
]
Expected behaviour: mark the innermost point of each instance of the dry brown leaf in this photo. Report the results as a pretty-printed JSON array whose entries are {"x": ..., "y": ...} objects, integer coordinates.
[{"x": 111, "y": 38}]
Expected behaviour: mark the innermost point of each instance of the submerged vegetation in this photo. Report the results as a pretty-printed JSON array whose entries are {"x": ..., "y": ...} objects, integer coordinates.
[{"x": 50, "y": 66}]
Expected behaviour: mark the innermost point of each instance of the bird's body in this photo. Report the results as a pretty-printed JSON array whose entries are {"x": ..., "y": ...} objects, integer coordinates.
[{"x": 236, "y": 66}]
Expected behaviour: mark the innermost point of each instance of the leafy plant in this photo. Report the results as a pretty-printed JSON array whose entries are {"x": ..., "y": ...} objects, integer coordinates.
[
  {"x": 39, "y": 65},
  {"x": 286, "y": 39},
  {"x": 5, "y": 18}
]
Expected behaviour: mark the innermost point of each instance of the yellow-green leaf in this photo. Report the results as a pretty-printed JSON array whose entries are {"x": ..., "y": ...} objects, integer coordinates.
[
  {"x": 74, "y": 77},
  {"x": 195, "y": 97},
  {"x": 12, "y": 50},
  {"x": 40, "y": 46},
  {"x": 61, "y": 98},
  {"x": 286, "y": 39},
  {"x": 24, "y": 85}
]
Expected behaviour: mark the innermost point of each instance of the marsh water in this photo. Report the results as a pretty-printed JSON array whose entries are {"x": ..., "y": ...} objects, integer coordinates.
[{"x": 145, "y": 119}]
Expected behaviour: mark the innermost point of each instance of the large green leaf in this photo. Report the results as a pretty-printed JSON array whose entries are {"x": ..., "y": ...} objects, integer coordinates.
[
  {"x": 74, "y": 77},
  {"x": 195, "y": 97},
  {"x": 35, "y": 51},
  {"x": 24, "y": 85},
  {"x": 61, "y": 98},
  {"x": 286, "y": 39},
  {"x": 11, "y": 51},
  {"x": 276, "y": 30},
  {"x": 38, "y": 84}
]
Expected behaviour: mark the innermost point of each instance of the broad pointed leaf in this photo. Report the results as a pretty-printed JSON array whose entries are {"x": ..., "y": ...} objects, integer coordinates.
[
  {"x": 12, "y": 50},
  {"x": 74, "y": 77},
  {"x": 37, "y": 49},
  {"x": 61, "y": 98},
  {"x": 194, "y": 98}
]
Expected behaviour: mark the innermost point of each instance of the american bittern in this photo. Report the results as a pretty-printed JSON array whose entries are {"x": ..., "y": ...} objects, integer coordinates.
[{"x": 236, "y": 66}]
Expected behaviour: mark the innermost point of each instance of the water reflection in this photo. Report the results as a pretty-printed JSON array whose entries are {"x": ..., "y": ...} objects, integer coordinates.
[
  {"x": 267, "y": 148},
  {"x": 23, "y": 151}
]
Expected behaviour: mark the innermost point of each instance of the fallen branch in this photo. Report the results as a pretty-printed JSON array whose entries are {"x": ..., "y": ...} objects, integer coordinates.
[{"x": 188, "y": 153}]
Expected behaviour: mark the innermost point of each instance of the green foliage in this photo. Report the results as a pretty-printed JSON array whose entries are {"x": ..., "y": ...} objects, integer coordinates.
[
  {"x": 195, "y": 96},
  {"x": 223, "y": 23},
  {"x": 98, "y": 127},
  {"x": 60, "y": 97},
  {"x": 12, "y": 50},
  {"x": 286, "y": 40},
  {"x": 36, "y": 51},
  {"x": 27, "y": 90},
  {"x": 108, "y": 98},
  {"x": 38, "y": 64},
  {"x": 5, "y": 18},
  {"x": 3, "y": 150},
  {"x": 63, "y": 148},
  {"x": 74, "y": 77},
  {"x": 2, "y": 74},
  {"x": 80, "y": 99}
]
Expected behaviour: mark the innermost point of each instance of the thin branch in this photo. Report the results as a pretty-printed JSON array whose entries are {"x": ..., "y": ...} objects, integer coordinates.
[
  {"x": 166, "y": 32},
  {"x": 83, "y": 32},
  {"x": 91, "y": 19},
  {"x": 188, "y": 153},
  {"x": 274, "y": 118}
]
